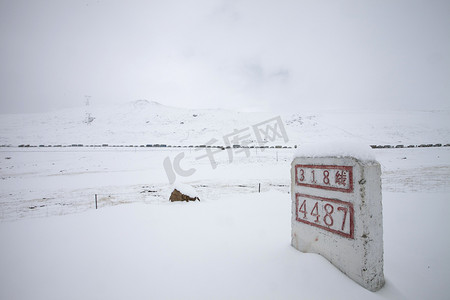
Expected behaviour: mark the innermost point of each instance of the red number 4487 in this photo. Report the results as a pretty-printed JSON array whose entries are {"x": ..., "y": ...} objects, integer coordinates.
[{"x": 331, "y": 215}]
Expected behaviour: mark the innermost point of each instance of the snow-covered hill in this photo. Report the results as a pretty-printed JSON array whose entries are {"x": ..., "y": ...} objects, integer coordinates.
[
  {"x": 148, "y": 122},
  {"x": 235, "y": 243}
]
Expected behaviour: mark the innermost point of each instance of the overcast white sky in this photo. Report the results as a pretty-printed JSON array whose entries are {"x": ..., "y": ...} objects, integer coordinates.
[{"x": 242, "y": 54}]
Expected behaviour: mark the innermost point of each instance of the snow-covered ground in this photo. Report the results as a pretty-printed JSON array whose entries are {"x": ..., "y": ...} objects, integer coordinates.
[
  {"x": 234, "y": 244},
  {"x": 146, "y": 122}
]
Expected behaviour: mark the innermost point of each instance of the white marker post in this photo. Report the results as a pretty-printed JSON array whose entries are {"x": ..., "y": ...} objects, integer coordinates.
[{"x": 337, "y": 213}]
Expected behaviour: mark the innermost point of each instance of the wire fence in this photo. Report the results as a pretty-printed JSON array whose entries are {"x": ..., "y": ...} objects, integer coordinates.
[{"x": 73, "y": 203}]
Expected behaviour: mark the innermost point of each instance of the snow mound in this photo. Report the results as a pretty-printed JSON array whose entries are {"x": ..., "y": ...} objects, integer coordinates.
[
  {"x": 145, "y": 103},
  {"x": 336, "y": 148}
]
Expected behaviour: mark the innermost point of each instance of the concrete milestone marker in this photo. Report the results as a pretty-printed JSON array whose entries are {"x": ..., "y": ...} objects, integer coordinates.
[{"x": 337, "y": 213}]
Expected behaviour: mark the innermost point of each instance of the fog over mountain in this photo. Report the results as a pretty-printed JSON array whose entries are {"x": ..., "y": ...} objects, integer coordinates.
[{"x": 246, "y": 55}]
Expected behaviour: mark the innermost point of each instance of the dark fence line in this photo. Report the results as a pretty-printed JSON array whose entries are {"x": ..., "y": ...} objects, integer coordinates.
[
  {"x": 408, "y": 146},
  {"x": 203, "y": 146}
]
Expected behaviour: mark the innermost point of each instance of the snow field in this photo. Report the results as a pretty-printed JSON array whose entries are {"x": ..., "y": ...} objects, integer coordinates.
[
  {"x": 234, "y": 244},
  {"x": 144, "y": 122},
  {"x": 61, "y": 181},
  {"x": 233, "y": 248},
  {"x": 55, "y": 182}
]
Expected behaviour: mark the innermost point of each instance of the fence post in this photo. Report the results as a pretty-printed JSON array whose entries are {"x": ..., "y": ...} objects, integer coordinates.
[
  {"x": 259, "y": 187},
  {"x": 95, "y": 201}
]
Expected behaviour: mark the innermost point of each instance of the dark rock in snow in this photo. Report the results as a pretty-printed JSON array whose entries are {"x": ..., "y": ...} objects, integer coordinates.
[{"x": 178, "y": 196}]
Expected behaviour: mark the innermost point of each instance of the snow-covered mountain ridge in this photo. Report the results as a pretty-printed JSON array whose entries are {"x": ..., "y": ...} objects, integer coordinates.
[{"x": 148, "y": 122}]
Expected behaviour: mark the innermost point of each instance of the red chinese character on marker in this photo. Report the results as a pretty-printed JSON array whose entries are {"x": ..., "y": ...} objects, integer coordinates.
[{"x": 341, "y": 178}]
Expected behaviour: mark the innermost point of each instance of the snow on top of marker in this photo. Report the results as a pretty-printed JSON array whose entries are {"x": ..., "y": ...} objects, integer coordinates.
[
  {"x": 185, "y": 189},
  {"x": 339, "y": 148}
]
